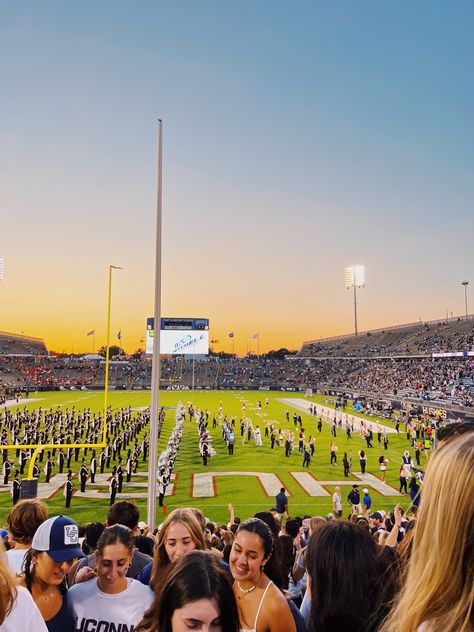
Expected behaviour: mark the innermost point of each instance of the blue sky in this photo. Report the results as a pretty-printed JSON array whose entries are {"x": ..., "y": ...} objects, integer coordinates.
[{"x": 299, "y": 138}]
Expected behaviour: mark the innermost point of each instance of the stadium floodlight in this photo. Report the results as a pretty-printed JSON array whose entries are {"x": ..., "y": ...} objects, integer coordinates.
[
  {"x": 355, "y": 278},
  {"x": 465, "y": 284},
  {"x": 2, "y": 268}
]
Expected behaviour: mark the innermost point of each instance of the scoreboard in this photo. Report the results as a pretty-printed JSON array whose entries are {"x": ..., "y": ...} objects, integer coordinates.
[{"x": 179, "y": 336}]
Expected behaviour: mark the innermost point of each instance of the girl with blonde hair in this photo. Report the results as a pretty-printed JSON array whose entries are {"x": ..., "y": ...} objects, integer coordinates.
[
  {"x": 18, "y": 611},
  {"x": 180, "y": 533},
  {"x": 438, "y": 591}
]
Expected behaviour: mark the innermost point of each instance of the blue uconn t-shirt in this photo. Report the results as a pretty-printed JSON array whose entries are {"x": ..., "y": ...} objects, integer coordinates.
[{"x": 96, "y": 611}]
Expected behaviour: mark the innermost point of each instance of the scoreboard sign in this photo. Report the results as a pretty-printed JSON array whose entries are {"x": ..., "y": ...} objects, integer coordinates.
[{"x": 188, "y": 336}]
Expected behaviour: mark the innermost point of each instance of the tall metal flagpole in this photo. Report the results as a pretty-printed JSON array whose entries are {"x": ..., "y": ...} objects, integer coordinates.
[{"x": 155, "y": 370}]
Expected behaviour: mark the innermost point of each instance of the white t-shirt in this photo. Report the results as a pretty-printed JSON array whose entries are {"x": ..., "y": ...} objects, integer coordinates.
[
  {"x": 15, "y": 559},
  {"x": 336, "y": 499},
  {"x": 24, "y": 615},
  {"x": 91, "y": 606}
]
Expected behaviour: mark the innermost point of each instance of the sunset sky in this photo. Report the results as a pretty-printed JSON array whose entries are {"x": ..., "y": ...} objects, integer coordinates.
[{"x": 299, "y": 138}]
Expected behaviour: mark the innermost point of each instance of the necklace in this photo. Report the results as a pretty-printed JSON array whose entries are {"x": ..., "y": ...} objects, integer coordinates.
[{"x": 245, "y": 591}]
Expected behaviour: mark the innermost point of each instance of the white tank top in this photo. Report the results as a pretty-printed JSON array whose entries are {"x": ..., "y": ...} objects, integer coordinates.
[{"x": 254, "y": 629}]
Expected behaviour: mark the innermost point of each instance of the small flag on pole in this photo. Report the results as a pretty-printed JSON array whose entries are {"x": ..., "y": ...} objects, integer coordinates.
[
  {"x": 232, "y": 334},
  {"x": 91, "y": 333},
  {"x": 255, "y": 336},
  {"x": 119, "y": 335}
]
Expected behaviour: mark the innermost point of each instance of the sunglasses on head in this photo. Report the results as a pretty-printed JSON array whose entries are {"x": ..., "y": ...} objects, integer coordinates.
[{"x": 454, "y": 429}]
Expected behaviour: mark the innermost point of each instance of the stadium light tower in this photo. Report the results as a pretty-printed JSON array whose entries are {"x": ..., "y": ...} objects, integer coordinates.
[
  {"x": 465, "y": 284},
  {"x": 355, "y": 278}
]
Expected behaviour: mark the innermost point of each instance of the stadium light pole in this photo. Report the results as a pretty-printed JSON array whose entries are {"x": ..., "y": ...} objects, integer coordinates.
[
  {"x": 155, "y": 369},
  {"x": 355, "y": 278},
  {"x": 465, "y": 284}
]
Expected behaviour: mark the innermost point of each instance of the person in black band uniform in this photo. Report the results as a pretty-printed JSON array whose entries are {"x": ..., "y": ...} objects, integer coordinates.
[
  {"x": 6, "y": 471},
  {"x": 16, "y": 487},
  {"x": 83, "y": 476},
  {"x": 113, "y": 485},
  {"x": 93, "y": 466},
  {"x": 48, "y": 468},
  {"x": 61, "y": 459},
  {"x": 120, "y": 476},
  {"x": 102, "y": 459},
  {"x": 68, "y": 488}
]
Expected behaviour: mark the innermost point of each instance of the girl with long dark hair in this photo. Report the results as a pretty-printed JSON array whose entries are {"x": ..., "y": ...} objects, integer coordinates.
[{"x": 262, "y": 606}]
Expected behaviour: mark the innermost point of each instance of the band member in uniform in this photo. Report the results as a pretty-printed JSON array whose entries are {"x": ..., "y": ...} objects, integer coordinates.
[
  {"x": 60, "y": 461},
  {"x": 93, "y": 467},
  {"x": 204, "y": 453},
  {"x": 128, "y": 466},
  {"x": 120, "y": 476},
  {"x": 16, "y": 487},
  {"x": 36, "y": 471},
  {"x": 144, "y": 448},
  {"x": 6, "y": 471},
  {"x": 83, "y": 476},
  {"x": 22, "y": 460},
  {"x": 69, "y": 457},
  {"x": 102, "y": 459},
  {"x": 108, "y": 454},
  {"x": 48, "y": 467},
  {"x": 68, "y": 488},
  {"x": 164, "y": 480},
  {"x": 113, "y": 485}
]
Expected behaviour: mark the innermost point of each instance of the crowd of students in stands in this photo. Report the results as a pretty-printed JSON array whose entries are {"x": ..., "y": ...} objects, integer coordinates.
[
  {"x": 424, "y": 379},
  {"x": 367, "y": 574}
]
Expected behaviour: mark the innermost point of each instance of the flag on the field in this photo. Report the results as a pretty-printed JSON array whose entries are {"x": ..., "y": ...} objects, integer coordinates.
[
  {"x": 91, "y": 333},
  {"x": 119, "y": 335},
  {"x": 232, "y": 334},
  {"x": 255, "y": 336}
]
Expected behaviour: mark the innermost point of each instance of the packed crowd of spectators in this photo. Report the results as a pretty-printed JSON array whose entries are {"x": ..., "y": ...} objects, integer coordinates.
[
  {"x": 364, "y": 571},
  {"x": 393, "y": 362},
  {"x": 449, "y": 380},
  {"x": 420, "y": 338}
]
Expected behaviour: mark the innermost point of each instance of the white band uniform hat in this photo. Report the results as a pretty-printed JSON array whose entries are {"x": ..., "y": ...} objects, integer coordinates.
[{"x": 59, "y": 538}]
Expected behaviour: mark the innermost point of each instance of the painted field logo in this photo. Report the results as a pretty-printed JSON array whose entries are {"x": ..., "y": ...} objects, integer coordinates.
[{"x": 204, "y": 484}]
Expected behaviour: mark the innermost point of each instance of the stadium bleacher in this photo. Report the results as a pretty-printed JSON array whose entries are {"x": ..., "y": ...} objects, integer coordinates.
[
  {"x": 411, "y": 339},
  {"x": 13, "y": 344},
  {"x": 390, "y": 362}
]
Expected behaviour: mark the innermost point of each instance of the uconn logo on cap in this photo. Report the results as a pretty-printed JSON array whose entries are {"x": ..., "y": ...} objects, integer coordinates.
[{"x": 71, "y": 534}]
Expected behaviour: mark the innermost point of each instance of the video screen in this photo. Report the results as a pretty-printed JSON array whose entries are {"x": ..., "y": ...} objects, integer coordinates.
[{"x": 189, "y": 336}]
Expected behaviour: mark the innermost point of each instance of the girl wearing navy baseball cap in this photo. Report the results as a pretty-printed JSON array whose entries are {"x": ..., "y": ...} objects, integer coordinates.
[{"x": 54, "y": 549}]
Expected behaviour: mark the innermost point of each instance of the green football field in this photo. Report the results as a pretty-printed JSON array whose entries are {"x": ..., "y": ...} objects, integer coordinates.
[{"x": 246, "y": 493}]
